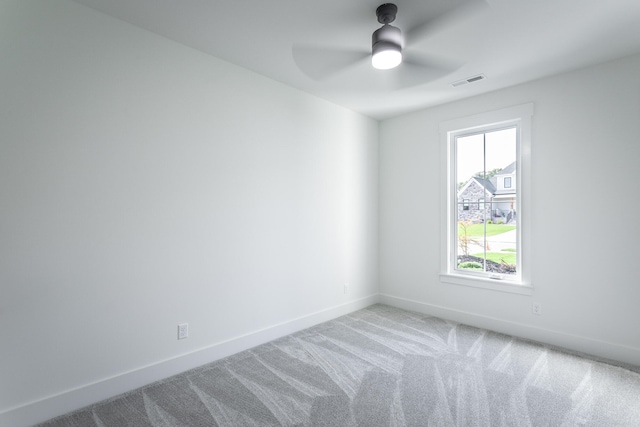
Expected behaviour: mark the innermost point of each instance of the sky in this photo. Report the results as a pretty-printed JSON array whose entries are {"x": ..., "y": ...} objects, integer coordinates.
[{"x": 500, "y": 152}]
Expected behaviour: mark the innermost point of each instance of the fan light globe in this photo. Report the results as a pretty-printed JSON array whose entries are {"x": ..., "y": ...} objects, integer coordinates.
[
  {"x": 386, "y": 47},
  {"x": 386, "y": 59}
]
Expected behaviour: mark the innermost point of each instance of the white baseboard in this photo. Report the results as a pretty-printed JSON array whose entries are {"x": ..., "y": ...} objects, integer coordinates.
[
  {"x": 601, "y": 349},
  {"x": 71, "y": 400}
]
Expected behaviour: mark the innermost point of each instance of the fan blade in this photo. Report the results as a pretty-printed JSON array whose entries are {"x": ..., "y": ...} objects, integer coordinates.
[
  {"x": 321, "y": 63},
  {"x": 470, "y": 9},
  {"x": 417, "y": 70}
]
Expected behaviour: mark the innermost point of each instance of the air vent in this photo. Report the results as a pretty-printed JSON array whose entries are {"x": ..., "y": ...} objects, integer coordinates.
[{"x": 468, "y": 80}]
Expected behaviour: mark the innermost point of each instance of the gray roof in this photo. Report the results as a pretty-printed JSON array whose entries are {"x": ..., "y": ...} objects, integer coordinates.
[
  {"x": 487, "y": 184},
  {"x": 490, "y": 185},
  {"x": 508, "y": 170}
]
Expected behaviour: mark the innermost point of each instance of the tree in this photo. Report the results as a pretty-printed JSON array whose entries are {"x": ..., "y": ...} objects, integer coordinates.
[
  {"x": 487, "y": 175},
  {"x": 464, "y": 240},
  {"x": 482, "y": 175}
]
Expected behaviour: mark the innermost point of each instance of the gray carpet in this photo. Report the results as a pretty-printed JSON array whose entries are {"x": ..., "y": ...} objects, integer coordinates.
[{"x": 383, "y": 366}]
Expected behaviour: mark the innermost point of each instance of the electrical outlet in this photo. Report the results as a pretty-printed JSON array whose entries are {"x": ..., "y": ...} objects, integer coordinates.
[
  {"x": 536, "y": 309},
  {"x": 346, "y": 288},
  {"x": 183, "y": 331}
]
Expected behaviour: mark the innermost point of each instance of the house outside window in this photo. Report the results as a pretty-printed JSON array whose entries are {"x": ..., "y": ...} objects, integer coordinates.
[{"x": 487, "y": 169}]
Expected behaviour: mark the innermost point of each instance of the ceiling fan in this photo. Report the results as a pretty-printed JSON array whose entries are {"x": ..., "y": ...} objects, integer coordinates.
[
  {"x": 386, "y": 44},
  {"x": 390, "y": 51}
]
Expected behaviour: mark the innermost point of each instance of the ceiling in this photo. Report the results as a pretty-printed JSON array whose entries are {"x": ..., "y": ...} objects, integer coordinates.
[{"x": 509, "y": 41}]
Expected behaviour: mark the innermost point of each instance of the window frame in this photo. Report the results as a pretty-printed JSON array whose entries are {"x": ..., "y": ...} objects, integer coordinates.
[
  {"x": 505, "y": 182},
  {"x": 519, "y": 116}
]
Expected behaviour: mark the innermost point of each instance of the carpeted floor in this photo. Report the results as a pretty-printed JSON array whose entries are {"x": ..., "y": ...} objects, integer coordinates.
[{"x": 383, "y": 366}]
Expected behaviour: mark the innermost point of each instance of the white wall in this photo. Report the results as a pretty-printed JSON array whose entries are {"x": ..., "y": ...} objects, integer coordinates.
[
  {"x": 585, "y": 213},
  {"x": 144, "y": 184}
]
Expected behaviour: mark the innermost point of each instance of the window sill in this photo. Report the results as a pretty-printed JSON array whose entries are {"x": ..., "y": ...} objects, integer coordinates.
[{"x": 486, "y": 283}]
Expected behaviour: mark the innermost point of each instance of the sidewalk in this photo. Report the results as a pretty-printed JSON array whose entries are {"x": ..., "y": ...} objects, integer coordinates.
[{"x": 496, "y": 243}]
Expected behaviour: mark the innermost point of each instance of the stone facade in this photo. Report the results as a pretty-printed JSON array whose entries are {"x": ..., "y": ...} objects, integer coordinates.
[{"x": 472, "y": 210}]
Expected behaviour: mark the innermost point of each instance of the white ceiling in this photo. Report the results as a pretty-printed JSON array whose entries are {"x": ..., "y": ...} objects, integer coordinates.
[{"x": 510, "y": 41}]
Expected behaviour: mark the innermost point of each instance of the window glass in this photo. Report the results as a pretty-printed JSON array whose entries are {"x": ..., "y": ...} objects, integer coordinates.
[{"x": 487, "y": 236}]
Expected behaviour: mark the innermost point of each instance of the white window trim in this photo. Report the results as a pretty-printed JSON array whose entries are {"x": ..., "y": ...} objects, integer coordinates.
[{"x": 518, "y": 115}]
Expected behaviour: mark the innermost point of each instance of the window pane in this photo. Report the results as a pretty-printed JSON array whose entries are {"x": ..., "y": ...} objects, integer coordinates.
[
  {"x": 469, "y": 157},
  {"x": 486, "y": 200}
]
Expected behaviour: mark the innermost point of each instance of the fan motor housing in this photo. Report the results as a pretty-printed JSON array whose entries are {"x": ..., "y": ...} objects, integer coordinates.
[{"x": 386, "y": 37}]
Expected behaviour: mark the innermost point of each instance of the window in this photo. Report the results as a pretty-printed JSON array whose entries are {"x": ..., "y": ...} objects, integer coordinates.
[
  {"x": 485, "y": 245},
  {"x": 487, "y": 248}
]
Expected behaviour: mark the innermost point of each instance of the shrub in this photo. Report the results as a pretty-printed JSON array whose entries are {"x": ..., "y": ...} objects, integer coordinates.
[
  {"x": 470, "y": 264},
  {"x": 508, "y": 268}
]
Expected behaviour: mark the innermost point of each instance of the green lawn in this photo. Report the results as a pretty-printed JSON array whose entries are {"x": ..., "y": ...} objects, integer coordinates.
[
  {"x": 508, "y": 257},
  {"x": 474, "y": 230}
]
